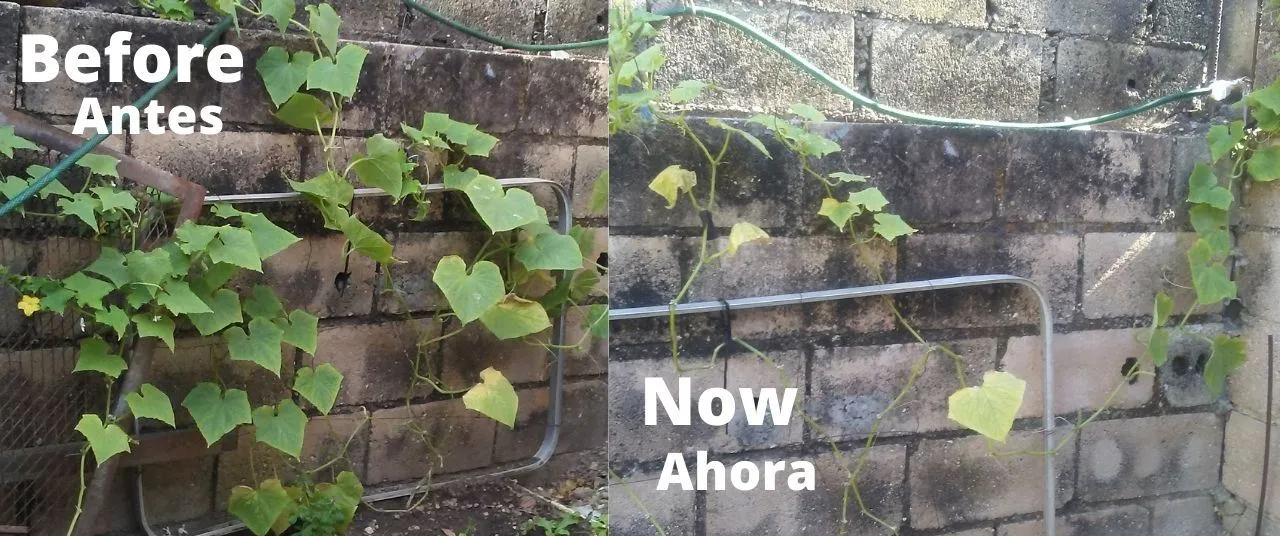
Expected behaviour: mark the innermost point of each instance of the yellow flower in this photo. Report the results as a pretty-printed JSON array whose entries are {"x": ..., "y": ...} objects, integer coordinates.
[{"x": 29, "y": 305}]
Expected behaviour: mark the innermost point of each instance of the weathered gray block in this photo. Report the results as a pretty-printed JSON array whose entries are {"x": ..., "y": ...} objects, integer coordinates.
[
  {"x": 376, "y": 359},
  {"x": 788, "y": 265},
  {"x": 172, "y": 491},
  {"x": 592, "y": 160},
  {"x": 1087, "y": 369},
  {"x": 1239, "y": 25},
  {"x": 413, "y": 289},
  {"x": 1247, "y": 386},
  {"x": 327, "y": 435},
  {"x": 1095, "y": 77},
  {"x": 951, "y": 12},
  {"x": 508, "y": 19},
  {"x": 1261, "y": 203},
  {"x": 475, "y": 349},
  {"x": 750, "y": 76},
  {"x": 634, "y": 500},
  {"x": 631, "y": 438},
  {"x": 570, "y": 98},
  {"x": 1025, "y": 15},
  {"x": 303, "y": 277},
  {"x": 748, "y": 371},
  {"x": 10, "y": 18},
  {"x": 1128, "y": 520},
  {"x": 922, "y": 68},
  {"x": 576, "y": 20},
  {"x": 1124, "y": 271},
  {"x": 1242, "y": 463},
  {"x": 231, "y": 162},
  {"x": 958, "y": 480},
  {"x": 1096, "y": 17},
  {"x": 452, "y": 439},
  {"x": 1114, "y": 177},
  {"x": 645, "y": 270},
  {"x": 784, "y": 511},
  {"x": 360, "y": 18},
  {"x": 1185, "y": 21},
  {"x": 1191, "y": 516},
  {"x": 584, "y": 424},
  {"x": 473, "y": 87},
  {"x": 591, "y": 358},
  {"x": 1130, "y": 458},
  {"x": 1048, "y": 260},
  {"x": 1182, "y": 376},
  {"x": 852, "y": 386},
  {"x": 63, "y": 96}
]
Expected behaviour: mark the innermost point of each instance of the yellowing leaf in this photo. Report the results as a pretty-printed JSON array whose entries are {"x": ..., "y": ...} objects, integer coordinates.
[
  {"x": 839, "y": 212},
  {"x": 744, "y": 233},
  {"x": 671, "y": 182},
  {"x": 493, "y": 397},
  {"x": 988, "y": 409}
]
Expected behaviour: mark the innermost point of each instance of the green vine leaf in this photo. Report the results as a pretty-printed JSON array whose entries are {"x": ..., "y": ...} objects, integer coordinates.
[
  {"x": 493, "y": 397},
  {"x": 324, "y": 22},
  {"x": 1228, "y": 354},
  {"x": 839, "y": 212},
  {"x": 110, "y": 264},
  {"x": 259, "y": 508},
  {"x": 328, "y": 186},
  {"x": 268, "y": 238},
  {"x": 149, "y": 267},
  {"x": 597, "y": 320},
  {"x": 281, "y": 11},
  {"x": 808, "y": 113},
  {"x": 263, "y": 303},
  {"x": 754, "y": 141},
  {"x": 106, "y": 440},
  {"x": 112, "y": 199},
  {"x": 306, "y": 112},
  {"x": 83, "y": 206},
  {"x": 158, "y": 326},
  {"x": 284, "y": 75},
  {"x": 299, "y": 330},
  {"x": 891, "y": 226},
  {"x": 546, "y": 249},
  {"x": 599, "y": 193},
  {"x": 281, "y": 427},
  {"x": 1208, "y": 275},
  {"x": 1264, "y": 165},
  {"x": 151, "y": 403},
  {"x": 671, "y": 182},
  {"x": 96, "y": 356},
  {"x": 744, "y": 233},
  {"x": 1222, "y": 138},
  {"x": 367, "y": 242},
  {"x": 224, "y": 310},
  {"x": 215, "y": 412},
  {"x": 686, "y": 91},
  {"x": 339, "y": 75},
  {"x": 319, "y": 386},
  {"x": 384, "y": 166},
  {"x": 870, "y": 199},
  {"x": 115, "y": 318},
  {"x": 9, "y": 142},
  {"x": 515, "y": 317},
  {"x": 346, "y": 492},
  {"x": 1206, "y": 219},
  {"x": 469, "y": 295},
  {"x": 1204, "y": 189},
  {"x": 261, "y": 345},
  {"x": 179, "y": 300},
  {"x": 1158, "y": 346},
  {"x": 235, "y": 246},
  {"x": 988, "y": 409},
  {"x": 501, "y": 210},
  {"x": 1162, "y": 310},
  {"x": 88, "y": 291},
  {"x": 100, "y": 164}
]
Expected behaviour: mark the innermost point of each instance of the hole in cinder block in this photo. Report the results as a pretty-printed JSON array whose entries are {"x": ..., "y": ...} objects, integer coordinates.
[
  {"x": 603, "y": 260},
  {"x": 1130, "y": 366},
  {"x": 1201, "y": 362},
  {"x": 1181, "y": 365},
  {"x": 1132, "y": 83}
]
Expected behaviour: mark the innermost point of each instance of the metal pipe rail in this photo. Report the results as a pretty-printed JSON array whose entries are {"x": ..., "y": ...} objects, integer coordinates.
[
  {"x": 889, "y": 289},
  {"x": 555, "y": 385}
]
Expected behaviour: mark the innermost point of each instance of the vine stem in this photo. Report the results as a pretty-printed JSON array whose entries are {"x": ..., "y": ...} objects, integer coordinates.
[{"x": 75, "y": 518}]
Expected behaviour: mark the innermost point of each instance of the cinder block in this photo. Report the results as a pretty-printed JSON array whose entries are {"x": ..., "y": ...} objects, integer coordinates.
[
  {"x": 645, "y": 270},
  {"x": 412, "y": 442},
  {"x": 1025, "y": 15},
  {"x": 475, "y": 349},
  {"x": 1129, "y": 458},
  {"x": 750, "y": 187},
  {"x": 1096, "y": 17},
  {"x": 62, "y": 96},
  {"x": 1049, "y": 260},
  {"x": 304, "y": 276},
  {"x": 481, "y": 88},
  {"x": 852, "y": 386},
  {"x": 820, "y": 511},
  {"x": 1087, "y": 369},
  {"x": 584, "y": 422},
  {"x": 1268, "y": 64},
  {"x": 229, "y": 163},
  {"x": 1124, "y": 271},
  {"x": 1129, "y": 520},
  {"x": 412, "y": 288},
  {"x": 1034, "y": 527},
  {"x": 1192, "y": 516},
  {"x": 748, "y": 371},
  {"x": 1115, "y": 177},
  {"x": 1182, "y": 376},
  {"x": 576, "y": 20},
  {"x": 789, "y": 264},
  {"x": 920, "y": 68},
  {"x": 959, "y": 480},
  {"x": 509, "y": 19},
  {"x": 592, "y": 161},
  {"x": 342, "y": 437},
  {"x": 568, "y": 97},
  {"x": 376, "y": 359},
  {"x": 590, "y": 356},
  {"x": 1257, "y": 276},
  {"x": 631, "y": 438},
  {"x": 1242, "y": 462},
  {"x": 172, "y": 492},
  {"x": 635, "y": 506},
  {"x": 1261, "y": 203},
  {"x": 1185, "y": 21},
  {"x": 10, "y": 17},
  {"x": 366, "y": 19},
  {"x": 1095, "y": 77},
  {"x": 751, "y": 77}
]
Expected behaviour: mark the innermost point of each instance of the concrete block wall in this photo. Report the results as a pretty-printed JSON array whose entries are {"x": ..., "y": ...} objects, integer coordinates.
[
  {"x": 549, "y": 115},
  {"x": 1015, "y": 60},
  {"x": 1092, "y": 217}
]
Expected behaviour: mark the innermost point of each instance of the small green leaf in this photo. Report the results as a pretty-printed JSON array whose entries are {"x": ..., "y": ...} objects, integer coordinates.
[
  {"x": 224, "y": 308},
  {"x": 179, "y": 300},
  {"x": 106, "y": 440},
  {"x": 95, "y": 355},
  {"x": 319, "y": 386},
  {"x": 263, "y": 303},
  {"x": 283, "y": 75},
  {"x": 1158, "y": 346},
  {"x": 83, "y": 206},
  {"x": 1205, "y": 219},
  {"x": 367, "y": 242},
  {"x": 891, "y": 226},
  {"x": 600, "y": 193},
  {"x": 158, "y": 326},
  {"x": 324, "y": 23},
  {"x": 341, "y": 76},
  {"x": 744, "y": 233},
  {"x": 988, "y": 409},
  {"x": 1264, "y": 165},
  {"x": 870, "y": 199},
  {"x": 1204, "y": 189},
  {"x": 235, "y": 246},
  {"x": 1228, "y": 354},
  {"x": 515, "y": 317},
  {"x": 1163, "y": 308},
  {"x": 114, "y": 317},
  {"x": 151, "y": 403},
  {"x": 150, "y": 267},
  {"x": 11, "y": 187},
  {"x": 110, "y": 264},
  {"x": 597, "y": 320},
  {"x": 327, "y": 186},
  {"x": 686, "y": 91},
  {"x": 808, "y": 113},
  {"x": 384, "y": 166},
  {"x": 261, "y": 345},
  {"x": 259, "y": 508},
  {"x": 215, "y": 412},
  {"x": 299, "y": 330},
  {"x": 1222, "y": 138},
  {"x": 113, "y": 199},
  {"x": 671, "y": 182},
  {"x": 549, "y": 250},
  {"x": 268, "y": 237},
  {"x": 88, "y": 291},
  {"x": 838, "y": 212},
  {"x": 754, "y": 141},
  {"x": 493, "y": 397},
  {"x": 100, "y": 164},
  {"x": 10, "y": 142},
  {"x": 469, "y": 295},
  {"x": 281, "y": 11},
  {"x": 282, "y": 427},
  {"x": 306, "y": 112}
]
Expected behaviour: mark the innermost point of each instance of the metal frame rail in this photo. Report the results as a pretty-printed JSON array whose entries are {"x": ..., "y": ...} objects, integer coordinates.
[
  {"x": 555, "y": 385},
  {"x": 889, "y": 289}
]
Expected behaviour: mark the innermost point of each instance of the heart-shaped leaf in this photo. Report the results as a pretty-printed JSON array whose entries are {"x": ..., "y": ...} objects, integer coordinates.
[
  {"x": 306, "y": 112},
  {"x": 319, "y": 386},
  {"x": 501, "y": 210},
  {"x": 261, "y": 345},
  {"x": 515, "y": 317},
  {"x": 339, "y": 75},
  {"x": 469, "y": 295},
  {"x": 299, "y": 330},
  {"x": 549, "y": 250},
  {"x": 493, "y": 397},
  {"x": 281, "y": 11},
  {"x": 839, "y": 212},
  {"x": 259, "y": 508},
  {"x": 988, "y": 409},
  {"x": 215, "y": 412},
  {"x": 178, "y": 299},
  {"x": 224, "y": 309},
  {"x": 150, "y": 402},
  {"x": 158, "y": 326},
  {"x": 891, "y": 226},
  {"x": 284, "y": 75},
  {"x": 95, "y": 355},
  {"x": 106, "y": 440},
  {"x": 281, "y": 427}
]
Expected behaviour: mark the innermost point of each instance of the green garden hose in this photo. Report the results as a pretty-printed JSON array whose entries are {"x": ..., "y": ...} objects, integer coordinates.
[
  {"x": 498, "y": 40},
  {"x": 92, "y": 143}
]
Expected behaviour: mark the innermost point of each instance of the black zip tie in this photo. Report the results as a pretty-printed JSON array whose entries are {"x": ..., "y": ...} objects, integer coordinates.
[
  {"x": 708, "y": 225},
  {"x": 726, "y": 321}
]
